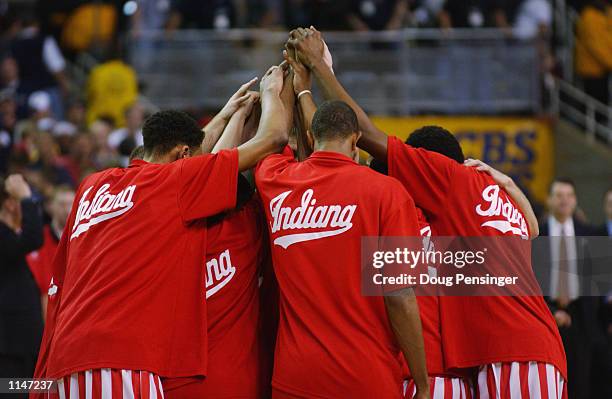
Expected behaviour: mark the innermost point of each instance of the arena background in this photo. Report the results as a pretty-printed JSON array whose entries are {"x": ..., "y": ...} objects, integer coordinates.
[{"x": 523, "y": 84}]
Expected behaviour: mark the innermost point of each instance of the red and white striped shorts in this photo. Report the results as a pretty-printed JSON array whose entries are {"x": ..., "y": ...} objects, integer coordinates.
[
  {"x": 109, "y": 384},
  {"x": 443, "y": 388},
  {"x": 520, "y": 380}
]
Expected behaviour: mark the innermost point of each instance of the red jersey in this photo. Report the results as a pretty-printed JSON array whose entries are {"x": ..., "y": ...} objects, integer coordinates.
[
  {"x": 332, "y": 341},
  {"x": 236, "y": 247},
  {"x": 126, "y": 291},
  {"x": 460, "y": 201},
  {"x": 40, "y": 260}
]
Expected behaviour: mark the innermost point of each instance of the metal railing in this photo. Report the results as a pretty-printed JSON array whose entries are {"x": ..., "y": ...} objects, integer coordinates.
[
  {"x": 568, "y": 101},
  {"x": 572, "y": 104},
  {"x": 403, "y": 72}
]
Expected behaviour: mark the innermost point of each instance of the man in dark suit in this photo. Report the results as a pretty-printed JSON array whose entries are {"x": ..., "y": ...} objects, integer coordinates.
[
  {"x": 563, "y": 268},
  {"x": 21, "y": 322}
]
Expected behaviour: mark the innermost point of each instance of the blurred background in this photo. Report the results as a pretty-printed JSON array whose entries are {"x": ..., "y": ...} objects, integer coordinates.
[{"x": 524, "y": 84}]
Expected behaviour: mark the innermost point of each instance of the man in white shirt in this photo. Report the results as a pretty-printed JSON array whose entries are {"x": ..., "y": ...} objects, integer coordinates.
[{"x": 564, "y": 267}]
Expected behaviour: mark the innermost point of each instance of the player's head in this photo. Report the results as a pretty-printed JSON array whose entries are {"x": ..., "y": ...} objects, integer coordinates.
[
  {"x": 562, "y": 201},
  {"x": 437, "y": 139},
  {"x": 336, "y": 122},
  {"x": 170, "y": 135},
  {"x": 60, "y": 204},
  {"x": 608, "y": 204}
]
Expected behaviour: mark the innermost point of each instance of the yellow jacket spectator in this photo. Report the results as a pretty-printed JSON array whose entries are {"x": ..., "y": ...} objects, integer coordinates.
[
  {"x": 112, "y": 87},
  {"x": 88, "y": 25},
  {"x": 594, "y": 48}
]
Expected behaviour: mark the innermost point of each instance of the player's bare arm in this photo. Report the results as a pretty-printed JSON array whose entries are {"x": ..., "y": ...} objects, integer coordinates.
[
  {"x": 403, "y": 312},
  {"x": 272, "y": 133},
  {"x": 506, "y": 182},
  {"x": 214, "y": 129},
  {"x": 302, "y": 85},
  {"x": 305, "y": 100},
  {"x": 311, "y": 51},
  {"x": 233, "y": 133}
]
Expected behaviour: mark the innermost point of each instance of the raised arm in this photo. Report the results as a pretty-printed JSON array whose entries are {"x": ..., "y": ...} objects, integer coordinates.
[
  {"x": 506, "y": 182},
  {"x": 272, "y": 134},
  {"x": 305, "y": 102},
  {"x": 214, "y": 128},
  {"x": 233, "y": 135},
  {"x": 311, "y": 49},
  {"x": 31, "y": 236}
]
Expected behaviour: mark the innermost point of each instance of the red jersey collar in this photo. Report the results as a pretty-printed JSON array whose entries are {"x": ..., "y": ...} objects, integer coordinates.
[
  {"x": 137, "y": 163},
  {"x": 331, "y": 155}
]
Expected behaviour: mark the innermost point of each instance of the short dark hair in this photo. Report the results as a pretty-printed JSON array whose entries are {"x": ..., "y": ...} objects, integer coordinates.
[
  {"x": 437, "y": 139},
  {"x": 563, "y": 180},
  {"x": 164, "y": 130},
  {"x": 334, "y": 120}
]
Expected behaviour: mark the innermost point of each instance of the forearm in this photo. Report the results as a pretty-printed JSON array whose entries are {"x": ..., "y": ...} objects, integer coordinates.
[
  {"x": 287, "y": 97},
  {"x": 271, "y": 135},
  {"x": 31, "y": 237},
  {"x": 307, "y": 108},
  {"x": 403, "y": 312},
  {"x": 521, "y": 200},
  {"x": 212, "y": 132},
  {"x": 232, "y": 134},
  {"x": 372, "y": 140}
]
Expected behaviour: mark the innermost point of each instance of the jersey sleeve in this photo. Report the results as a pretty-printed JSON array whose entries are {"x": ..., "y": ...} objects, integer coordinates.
[
  {"x": 207, "y": 184},
  {"x": 425, "y": 174}
]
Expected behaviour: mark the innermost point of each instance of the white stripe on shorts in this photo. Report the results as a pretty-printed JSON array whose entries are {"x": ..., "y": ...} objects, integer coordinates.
[
  {"x": 74, "y": 386},
  {"x": 126, "y": 382}
]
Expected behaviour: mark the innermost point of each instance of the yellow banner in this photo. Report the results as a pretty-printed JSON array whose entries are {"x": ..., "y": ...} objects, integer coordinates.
[{"x": 520, "y": 147}]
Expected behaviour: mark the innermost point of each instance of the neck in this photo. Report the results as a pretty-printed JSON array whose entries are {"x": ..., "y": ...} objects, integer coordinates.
[
  {"x": 159, "y": 158},
  {"x": 561, "y": 218},
  {"x": 341, "y": 147}
]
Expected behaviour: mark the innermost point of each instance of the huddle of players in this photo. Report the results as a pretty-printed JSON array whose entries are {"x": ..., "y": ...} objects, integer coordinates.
[{"x": 135, "y": 311}]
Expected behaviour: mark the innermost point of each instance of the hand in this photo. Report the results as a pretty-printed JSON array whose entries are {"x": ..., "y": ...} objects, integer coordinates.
[
  {"x": 499, "y": 178},
  {"x": 247, "y": 105},
  {"x": 301, "y": 75},
  {"x": 272, "y": 81},
  {"x": 17, "y": 187},
  {"x": 563, "y": 318},
  {"x": 236, "y": 100},
  {"x": 309, "y": 45}
]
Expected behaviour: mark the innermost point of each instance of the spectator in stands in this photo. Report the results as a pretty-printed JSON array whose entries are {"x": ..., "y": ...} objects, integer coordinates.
[
  {"x": 606, "y": 228},
  {"x": 533, "y": 20},
  {"x": 196, "y": 14},
  {"x": 125, "y": 139},
  {"x": 41, "y": 65},
  {"x": 91, "y": 26},
  {"x": 103, "y": 155},
  {"x": 479, "y": 14},
  {"x": 149, "y": 16},
  {"x": 8, "y": 120},
  {"x": 21, "y": 321},
  {"x": 564, "y": 281},
  {"x": 58, "y": 208},
  {"x": 9, "y": 75},
  {"x": 40, "y": 116},
  {"x": 467, "y": 14},
  {"x": 111, "y": 88},
  {"x": 594, "y": 48},
  {"x": 377, "y": 14}
]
